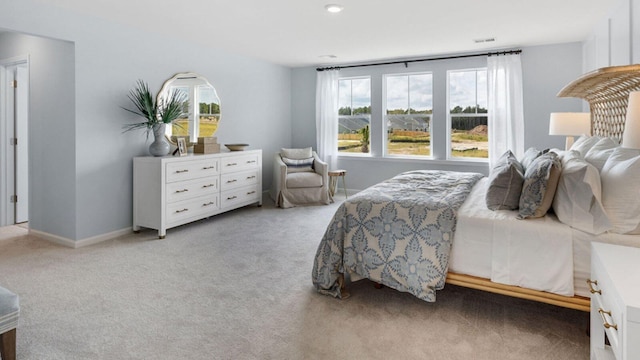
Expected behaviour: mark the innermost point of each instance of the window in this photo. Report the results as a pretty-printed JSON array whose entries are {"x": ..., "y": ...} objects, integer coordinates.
[
  {"x": 409, "y": 106},
  {"x": 354, "y": 115},
  {"x": 468, "y": 113}
]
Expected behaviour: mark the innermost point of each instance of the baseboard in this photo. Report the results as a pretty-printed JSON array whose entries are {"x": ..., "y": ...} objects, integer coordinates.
[{"x": 79, "y": 243}]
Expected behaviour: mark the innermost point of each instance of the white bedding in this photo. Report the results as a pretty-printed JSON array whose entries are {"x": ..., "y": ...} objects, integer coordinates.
[{"x": 541, "y": 254}]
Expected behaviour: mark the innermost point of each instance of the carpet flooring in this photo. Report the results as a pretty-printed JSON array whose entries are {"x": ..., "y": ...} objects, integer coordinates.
[{"x": 238, "y": 286}]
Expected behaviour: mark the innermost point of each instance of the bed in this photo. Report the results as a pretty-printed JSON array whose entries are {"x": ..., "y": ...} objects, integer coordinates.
[{"x": 417, "y": 237}]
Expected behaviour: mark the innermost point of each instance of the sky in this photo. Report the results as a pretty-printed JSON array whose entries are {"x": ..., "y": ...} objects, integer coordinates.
[{"x": 462, "y": 88}]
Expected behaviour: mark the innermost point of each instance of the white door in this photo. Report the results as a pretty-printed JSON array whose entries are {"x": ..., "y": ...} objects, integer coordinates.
[{"x": 14, "y": 114}]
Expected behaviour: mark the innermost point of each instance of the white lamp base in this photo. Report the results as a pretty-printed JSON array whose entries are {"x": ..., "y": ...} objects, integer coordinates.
[{"x": 568, "y": 142}]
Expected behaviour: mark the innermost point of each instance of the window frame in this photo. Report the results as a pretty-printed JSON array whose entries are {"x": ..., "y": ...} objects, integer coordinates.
[
  {"x": 385, "y": 129},
  {"x": 449, "y": 156},
  {"x": 351, "y": 78}
]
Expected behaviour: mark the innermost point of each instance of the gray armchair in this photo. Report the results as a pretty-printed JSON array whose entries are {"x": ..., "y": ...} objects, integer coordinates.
[
  {"x": 9, "y": 313},
  {"x": 299, "y": 178}
]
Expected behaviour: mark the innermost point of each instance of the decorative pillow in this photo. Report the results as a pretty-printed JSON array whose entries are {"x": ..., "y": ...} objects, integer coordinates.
[
  {"x": 505, "y": 183},
  {"x": 621, "y": 190},
  {"x": 298, "y": 165},
  {"x": 600, "y": 152},
  {"x": 296, "y": 154},
  {"x": 528, "y": 157},
  {"x": 540, "y": 182},
  {"x": 578, "y": 200},
  {"x": 584, "y": 144}
]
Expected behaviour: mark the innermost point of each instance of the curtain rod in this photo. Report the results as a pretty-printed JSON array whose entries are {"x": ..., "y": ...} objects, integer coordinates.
[{"x": 406, "y": 62}]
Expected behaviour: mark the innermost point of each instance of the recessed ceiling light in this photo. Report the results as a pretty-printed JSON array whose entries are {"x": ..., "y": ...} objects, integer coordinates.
[{"x": 334, "y": 8}]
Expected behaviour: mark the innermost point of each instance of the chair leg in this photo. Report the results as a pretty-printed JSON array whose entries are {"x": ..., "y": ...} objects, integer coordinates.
[{"x": 8, "y": 345}]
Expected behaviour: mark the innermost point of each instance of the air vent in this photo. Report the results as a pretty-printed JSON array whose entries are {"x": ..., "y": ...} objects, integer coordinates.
[{"x": 479, "y": 41}]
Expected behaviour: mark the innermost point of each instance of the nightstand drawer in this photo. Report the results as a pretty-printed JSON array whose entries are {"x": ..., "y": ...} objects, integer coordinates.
[
  {"x": 605, "y": 307},
  {"x": 194, "y": 169},
  {"x": 615, "y": 301}
]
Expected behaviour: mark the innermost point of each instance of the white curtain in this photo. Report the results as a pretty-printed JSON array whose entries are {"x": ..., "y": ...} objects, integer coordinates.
[
  {"x": 327, "y": 116},
  {"x": 506, "y": 115}
]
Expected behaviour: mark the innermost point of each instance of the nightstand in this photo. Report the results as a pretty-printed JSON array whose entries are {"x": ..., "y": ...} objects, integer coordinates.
[{"x": 615, "y": 301}]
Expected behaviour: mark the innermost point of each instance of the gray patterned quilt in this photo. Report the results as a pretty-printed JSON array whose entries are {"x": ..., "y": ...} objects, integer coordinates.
[{"x": 397, "y": 233}]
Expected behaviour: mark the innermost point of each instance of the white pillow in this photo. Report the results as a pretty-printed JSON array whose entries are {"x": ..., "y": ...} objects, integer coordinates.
[
  {"x": 621, "y": 190},
  {"x": 578, "y": 200},
  {"x": 297, "y": 154},
  {"x": 584, "y": 144},
  {"x": 600, "y": 152}
]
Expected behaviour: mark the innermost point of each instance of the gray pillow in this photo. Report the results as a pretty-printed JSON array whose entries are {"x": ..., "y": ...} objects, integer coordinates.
[
  {"x": 528, "y": 157},
  {"x": 539, "y": 188},
  {"x": 505, "y": 183}
]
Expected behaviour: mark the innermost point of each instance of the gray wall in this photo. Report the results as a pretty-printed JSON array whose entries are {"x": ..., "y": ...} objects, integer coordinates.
[
  {"x": 52, "y": 197},
  {"x": 84, "y": 163},
  {"x": 546, "y": 69}
]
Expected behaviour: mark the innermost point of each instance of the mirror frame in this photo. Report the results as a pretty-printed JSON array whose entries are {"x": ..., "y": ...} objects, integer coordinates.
[{"x": 185, "y": 76}]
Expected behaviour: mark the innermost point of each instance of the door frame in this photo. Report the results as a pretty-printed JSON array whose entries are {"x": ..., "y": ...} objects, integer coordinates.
[{"x": 7, "y": 152}]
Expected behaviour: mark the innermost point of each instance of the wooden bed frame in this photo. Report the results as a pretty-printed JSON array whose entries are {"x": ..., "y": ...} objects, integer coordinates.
[
  {"x": 607, "y": 92},
  {"x": 576, "y": 302}
]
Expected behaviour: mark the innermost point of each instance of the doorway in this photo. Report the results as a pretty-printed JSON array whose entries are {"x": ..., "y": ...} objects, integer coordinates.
[{"x": 14, "y": 145}]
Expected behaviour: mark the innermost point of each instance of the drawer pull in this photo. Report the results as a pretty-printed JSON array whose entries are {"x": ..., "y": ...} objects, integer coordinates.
[
  {"x": 231, "y": 181},
  {"x": 209, "y": 203},
  {"x": 183, "y": 210},
  {"x": 182, "y": 171},
  {"x": 251, "y": 177},
  {"x": 181, "y": 191},
  {"x": 250, "y": 161},
  {"x": 591, "y": 289},
  {"x": 232, "y": 164},
  {"x": 208, "y": 167},
  {"x": 605, "y": 323},
  {"x": 207, "y": 186},
  {"x": 232, "y": 197},
  {"x": 251, "y": 192}
]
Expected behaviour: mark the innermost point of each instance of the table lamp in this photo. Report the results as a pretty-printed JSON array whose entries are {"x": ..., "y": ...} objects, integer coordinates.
[
  {"x": 631, "y": 135},
  {"x": 570, "y": 124}
]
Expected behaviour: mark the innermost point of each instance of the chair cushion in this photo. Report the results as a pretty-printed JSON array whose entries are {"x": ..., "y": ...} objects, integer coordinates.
[
  {"x": 303, "y": 180},
  {"x": 9, "y": 310}
]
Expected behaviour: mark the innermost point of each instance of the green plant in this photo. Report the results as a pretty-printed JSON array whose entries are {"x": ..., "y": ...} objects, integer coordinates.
[
  {"x": 166, "y": 110},
  {"x": 364, "y": 133}
]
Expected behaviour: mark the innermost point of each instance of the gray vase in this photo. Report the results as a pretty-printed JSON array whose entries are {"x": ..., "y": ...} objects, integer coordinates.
[{"x": 160, "y": 146}]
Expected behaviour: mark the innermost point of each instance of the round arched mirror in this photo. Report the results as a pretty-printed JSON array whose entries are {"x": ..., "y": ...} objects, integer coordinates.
[{"x": 201, "y": 113}]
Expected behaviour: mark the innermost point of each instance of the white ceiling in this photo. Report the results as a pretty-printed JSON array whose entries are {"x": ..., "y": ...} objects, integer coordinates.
[{"x": 298, "y": 32}]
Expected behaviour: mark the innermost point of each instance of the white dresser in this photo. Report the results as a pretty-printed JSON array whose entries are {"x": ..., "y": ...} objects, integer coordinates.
[
  {"x": 170, "y": 191},
  {"x": 615, "y": 302}
]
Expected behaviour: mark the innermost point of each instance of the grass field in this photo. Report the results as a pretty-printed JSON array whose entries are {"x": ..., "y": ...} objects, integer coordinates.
[{"x": 417, "y": 143}]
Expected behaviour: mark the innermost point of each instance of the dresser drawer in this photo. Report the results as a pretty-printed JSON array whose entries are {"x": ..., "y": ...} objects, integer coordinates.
[
  {"x": 241, "y": 195},
  {"x": 189, "y": 189},
  {"x": 239, "y": 163},
  {"x": 239, "y": 179},
  {"x": 191, "y": 208},
  {"x": 193, "y": 169}
]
